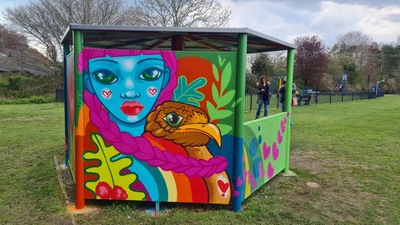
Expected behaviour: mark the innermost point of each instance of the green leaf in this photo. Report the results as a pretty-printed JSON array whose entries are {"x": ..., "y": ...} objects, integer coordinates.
[
  {"x": 188, "y": 93},
  {"x": 227, "y": 98},
  {"x": 215, "y": 72},
  {"x": 212, "y": 111},
  {"x": 236, "y": 102},
  {"x": 221, "y": 62},
  {"x": 226, "y": 76},
  {"x": 215, "y": 95},
  {"x": 110, "y": 168},
  {"x": 225, "y": 129},
  {"x": 222, "y": 114}
]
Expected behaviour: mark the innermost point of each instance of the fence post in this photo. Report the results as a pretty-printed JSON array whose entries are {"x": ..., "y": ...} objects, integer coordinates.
[
  {"x": 251, "y": 101},
  {"x": 342, "y": 95},
  {"x": 352, "y": 96},
  {"x": 316, "y": 98},
  {"x": 330, "y": 97},
  {"x": 361, "y": 95}
]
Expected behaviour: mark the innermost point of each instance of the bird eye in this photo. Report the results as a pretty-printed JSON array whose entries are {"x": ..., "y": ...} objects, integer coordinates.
[
  {"x": 150, "y": 74},
  {"x": 173, "y": 119},
  {"x": 105, "y": 77}
]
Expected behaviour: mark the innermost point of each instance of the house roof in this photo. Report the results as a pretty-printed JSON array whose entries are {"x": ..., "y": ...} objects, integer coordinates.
[{"x": 159, "y": 38}]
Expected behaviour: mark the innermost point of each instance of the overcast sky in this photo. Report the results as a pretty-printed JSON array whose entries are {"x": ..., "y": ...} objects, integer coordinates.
[{"x": 287, "y": 19}]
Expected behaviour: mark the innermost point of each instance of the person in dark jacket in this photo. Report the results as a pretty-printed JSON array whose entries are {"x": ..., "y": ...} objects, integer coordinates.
[
  {"x": 263, "y": 96},
  {"x": 282, "y": 92}
]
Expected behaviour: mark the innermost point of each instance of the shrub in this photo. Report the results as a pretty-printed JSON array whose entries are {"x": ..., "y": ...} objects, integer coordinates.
[
  {"x": 16, "y": 81},
  {"x": 31, "y": 100}
]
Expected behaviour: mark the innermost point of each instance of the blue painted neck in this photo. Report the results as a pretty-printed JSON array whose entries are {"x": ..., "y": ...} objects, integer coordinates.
[{"x": 134, "y": 129}]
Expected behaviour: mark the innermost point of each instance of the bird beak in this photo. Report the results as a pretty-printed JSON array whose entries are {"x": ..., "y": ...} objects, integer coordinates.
[{"x": 209, "y": 129}]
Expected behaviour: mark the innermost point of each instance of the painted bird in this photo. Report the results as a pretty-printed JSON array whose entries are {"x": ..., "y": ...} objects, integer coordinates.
[{"x": 189, "y": 127}]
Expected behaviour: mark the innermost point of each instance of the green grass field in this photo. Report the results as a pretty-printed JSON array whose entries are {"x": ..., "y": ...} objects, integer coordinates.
[{"x": 351, "y": 149}]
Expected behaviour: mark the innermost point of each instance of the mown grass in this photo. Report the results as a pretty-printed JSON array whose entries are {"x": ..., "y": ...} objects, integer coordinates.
[
  {"x": 30, "y": 135},
  {"x": 351, "y": 149}
]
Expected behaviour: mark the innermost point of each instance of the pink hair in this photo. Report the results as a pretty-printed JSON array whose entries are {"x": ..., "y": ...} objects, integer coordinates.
[
  {"x": 168, "y": 57},
  {"x": 143, "y": 150}
]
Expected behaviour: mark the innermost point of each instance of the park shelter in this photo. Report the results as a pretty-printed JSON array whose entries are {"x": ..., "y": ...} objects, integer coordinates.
[{"x": 157, "y": 114}]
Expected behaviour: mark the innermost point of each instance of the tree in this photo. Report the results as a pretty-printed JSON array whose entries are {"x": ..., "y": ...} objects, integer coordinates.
[
  {"x": 389, "y": 60},
  {"x": 356, "y": 44},
  {"x": 261, "y": 65},
  {"x": 46, "y": 20},
  {"x": 278, "y": 60},
  {"x": 182, "y": 13},
  {"x": 348, "y": 63},
  {"x": 370, "y": 69},
  {"x": 11, "y": 39},
  {"x": 310, "y": 60},
  {"x": 16, "y": 53}
]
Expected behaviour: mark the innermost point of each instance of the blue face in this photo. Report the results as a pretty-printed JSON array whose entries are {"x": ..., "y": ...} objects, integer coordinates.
[{"x": 129, "y": 86}]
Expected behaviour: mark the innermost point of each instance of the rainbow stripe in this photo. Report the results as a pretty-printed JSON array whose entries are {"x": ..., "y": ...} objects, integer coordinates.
[{"x": 168, "y": 186}]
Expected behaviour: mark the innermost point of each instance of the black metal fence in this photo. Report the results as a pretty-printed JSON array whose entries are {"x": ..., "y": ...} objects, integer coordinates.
[
  {"x": 303, "y": 99},
  {"x": 315, "y": 98},
  {"x": 59, "y": 95}
]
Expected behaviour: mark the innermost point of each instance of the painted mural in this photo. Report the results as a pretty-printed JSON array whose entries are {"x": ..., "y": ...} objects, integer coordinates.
[
  {"x": 158, "y": 125},
  {"x": 264, "y": 148},
  {"x": 71, "y": 111}
]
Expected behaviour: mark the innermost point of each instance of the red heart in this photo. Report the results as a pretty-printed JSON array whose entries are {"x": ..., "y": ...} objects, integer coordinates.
[
  {"x": 152, "y": 91},
  {"x": 106, "y": 94},
  {"x": 223, "y": 186}
]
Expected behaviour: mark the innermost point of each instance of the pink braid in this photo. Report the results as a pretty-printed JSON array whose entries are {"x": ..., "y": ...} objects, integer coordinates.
[{"x": 126, "y": 144}]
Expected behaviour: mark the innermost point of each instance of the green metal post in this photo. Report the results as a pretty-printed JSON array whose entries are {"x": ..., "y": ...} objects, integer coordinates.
[
  {"x": 288, "y": 97},
  {"x": 65, "y": 53},
  {"x": 79, "y": 144},
  {"x": 239, "y": 112}
]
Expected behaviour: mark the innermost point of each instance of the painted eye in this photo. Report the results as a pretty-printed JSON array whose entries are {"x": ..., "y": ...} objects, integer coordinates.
[
  {"x": 150, "y": 74},
  {"x": 105, "y": 77},
  {"x": 173, "y": 119}
]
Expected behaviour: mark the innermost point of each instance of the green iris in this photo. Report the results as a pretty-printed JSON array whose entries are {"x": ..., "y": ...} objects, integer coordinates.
[
  {"x": 173, "y": 119},
  {"x": 105, "y": 77},
  {"x": 150, "y": 74}
]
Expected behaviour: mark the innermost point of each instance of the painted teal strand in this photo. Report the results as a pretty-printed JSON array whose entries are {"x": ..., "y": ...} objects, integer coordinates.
[
  {"x": 239, "y": 117},
  {"x": 288, "y": 97}
]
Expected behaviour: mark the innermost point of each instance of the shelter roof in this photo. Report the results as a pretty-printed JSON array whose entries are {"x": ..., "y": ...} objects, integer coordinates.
[{"x": 159, "y": 38}]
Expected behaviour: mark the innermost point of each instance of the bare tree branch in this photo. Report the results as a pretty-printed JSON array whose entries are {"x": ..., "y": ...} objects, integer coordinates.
[
  {"x": 182, "y": 13},
  {"x": 45, "y": 20}
]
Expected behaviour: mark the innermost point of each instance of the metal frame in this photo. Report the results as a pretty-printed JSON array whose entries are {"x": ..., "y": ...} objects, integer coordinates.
[{"x": 199, "y": 39}]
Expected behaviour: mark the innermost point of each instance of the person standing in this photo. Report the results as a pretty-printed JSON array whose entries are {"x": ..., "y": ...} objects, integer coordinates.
[
  {"x": 282, "y": 91},
  {"x": 263, "y": 96}
]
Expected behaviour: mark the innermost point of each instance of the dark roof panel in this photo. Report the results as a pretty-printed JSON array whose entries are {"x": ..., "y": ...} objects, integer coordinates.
[{"x": 159, "y": 38}]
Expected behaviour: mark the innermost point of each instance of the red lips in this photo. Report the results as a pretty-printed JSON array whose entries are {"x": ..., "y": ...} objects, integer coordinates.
[{"x": 131, "y": 108}]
